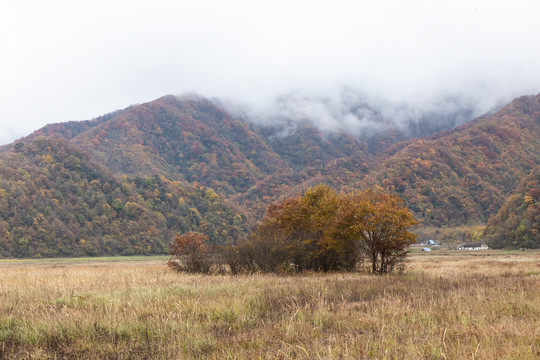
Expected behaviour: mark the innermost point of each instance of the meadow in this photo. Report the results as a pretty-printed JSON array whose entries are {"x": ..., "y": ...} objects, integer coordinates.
[{"x": 446, "y": 305}]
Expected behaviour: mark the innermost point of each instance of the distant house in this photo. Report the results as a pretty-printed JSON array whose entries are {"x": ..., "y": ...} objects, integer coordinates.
[
  {"x": 433, "y": 242},
  {"x": 472, "y": 246}
]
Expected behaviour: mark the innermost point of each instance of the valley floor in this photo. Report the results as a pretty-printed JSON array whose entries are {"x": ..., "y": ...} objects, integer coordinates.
[{"x": 447, "y": 305}]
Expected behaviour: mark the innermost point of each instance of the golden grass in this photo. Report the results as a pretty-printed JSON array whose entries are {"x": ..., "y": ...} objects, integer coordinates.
[{"x": 451, "y": 305}]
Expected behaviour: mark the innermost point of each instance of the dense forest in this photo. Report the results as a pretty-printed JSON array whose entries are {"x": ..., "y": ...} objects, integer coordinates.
[
  {"x": 126, "y": 182},
  {"x": 464, "y": 175},
  {"x": 56, "y": 201},
  {"x": 517, "y": 224}
]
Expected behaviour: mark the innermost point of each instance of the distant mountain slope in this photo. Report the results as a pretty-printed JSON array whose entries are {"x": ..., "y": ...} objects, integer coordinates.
[
  {"x": 67, "y": 130},
  {"x": 303, "y": 146},
  {"x": 463, "y": 176},
  {"x": 183, "y": 138},
  {"x": 56, "y": 201},
  {"x": 517, "y": 224},
  {"x": 127, "y": 181},
  {"x": 191, "y": 139}
]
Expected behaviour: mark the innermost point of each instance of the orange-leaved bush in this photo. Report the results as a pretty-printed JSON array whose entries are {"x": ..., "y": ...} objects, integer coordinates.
[{"x": 191, "y": 253}]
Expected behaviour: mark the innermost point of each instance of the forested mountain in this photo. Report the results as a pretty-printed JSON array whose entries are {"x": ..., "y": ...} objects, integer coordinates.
[
  {"x": 56, "y": 201},
  {"x": 185, "y": 139},
  {"x": 464, "y": 175},
  {"x": 126, "y": 182},
  {"x": 191, "y": 139}
]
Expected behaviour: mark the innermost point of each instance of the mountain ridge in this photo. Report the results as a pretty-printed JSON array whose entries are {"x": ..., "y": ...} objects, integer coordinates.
[{"x": 455, "y": 177}]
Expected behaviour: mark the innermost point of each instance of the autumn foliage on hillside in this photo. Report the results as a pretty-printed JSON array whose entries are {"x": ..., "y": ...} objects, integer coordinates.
[
  {"x": 460, "y": 176},
  {"x": 56, "y": 201},
  {"x": 126, "y": 182},
  {"x": 463, "y": 176},
  {"x": 191, "y": 139},
  {"x": 183, "y": 139},
  {"x": 517, "y": 224}
]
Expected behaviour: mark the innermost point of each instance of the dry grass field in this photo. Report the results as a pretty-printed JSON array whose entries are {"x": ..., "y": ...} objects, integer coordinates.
[{"x": 447, "y": 305}]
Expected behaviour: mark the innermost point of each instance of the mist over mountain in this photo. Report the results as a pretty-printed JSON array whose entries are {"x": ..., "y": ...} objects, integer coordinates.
[
  {"x": 409, "y": 61},
  {"x": 360, "y": 114}
]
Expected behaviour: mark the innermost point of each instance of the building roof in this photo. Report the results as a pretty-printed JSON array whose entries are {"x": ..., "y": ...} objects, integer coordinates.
[{"x": 470, "y": 245}]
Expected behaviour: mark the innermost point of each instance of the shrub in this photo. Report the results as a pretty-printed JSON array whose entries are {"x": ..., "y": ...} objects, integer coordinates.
[
  {"x": 239, "y": 258},
  {"x": 191, "y": 253}
]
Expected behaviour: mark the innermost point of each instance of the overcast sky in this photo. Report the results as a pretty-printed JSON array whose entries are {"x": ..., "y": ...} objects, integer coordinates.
[{"x": 74, "y": 60}]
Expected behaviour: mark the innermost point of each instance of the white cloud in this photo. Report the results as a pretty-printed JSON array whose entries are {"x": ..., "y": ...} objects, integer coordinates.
[{"x": 64, "y": 60}]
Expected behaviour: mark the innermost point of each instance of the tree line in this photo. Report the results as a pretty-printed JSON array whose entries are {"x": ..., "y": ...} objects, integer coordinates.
[{"x": 322, "y": 230}]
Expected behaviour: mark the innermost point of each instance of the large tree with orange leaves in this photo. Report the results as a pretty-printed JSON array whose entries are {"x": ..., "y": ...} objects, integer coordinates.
[
  {"x": 379, "y": 223},
  {"x": 302, "y": 229},
  {"x": 325, "y": 230}
]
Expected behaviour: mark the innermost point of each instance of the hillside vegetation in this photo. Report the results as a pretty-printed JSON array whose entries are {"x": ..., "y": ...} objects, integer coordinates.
[
  {"x": 56, "y": 201},
  {"x": 127, "y": 181},
  {"x": 517, "y": 224},
  {"x": 463, "y": 176}
]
